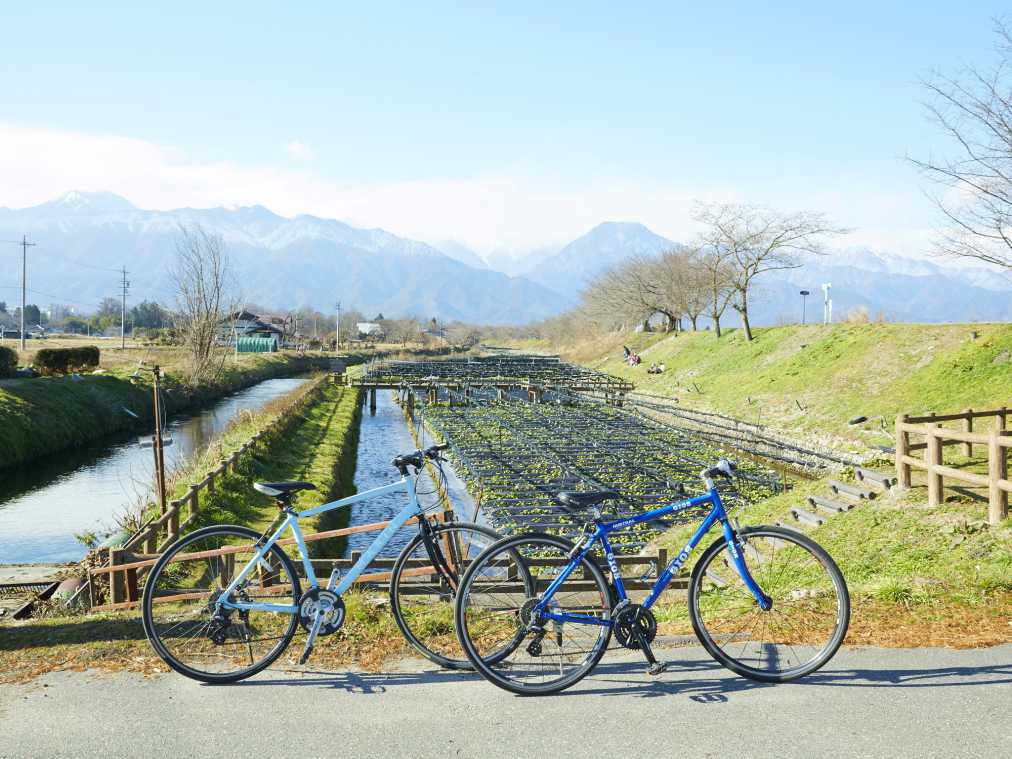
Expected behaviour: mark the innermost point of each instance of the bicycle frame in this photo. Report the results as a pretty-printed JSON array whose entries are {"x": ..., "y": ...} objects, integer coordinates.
[
  {"x": 291, "y": 522},
  {"x": 600, "y": 534}
]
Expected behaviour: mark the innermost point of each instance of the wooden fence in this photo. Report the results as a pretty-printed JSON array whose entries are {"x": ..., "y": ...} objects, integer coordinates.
[
  {"x": 158, "y": 533},
  {"x": 996, "y": 442},
  {"x": 126, "y": 568}
]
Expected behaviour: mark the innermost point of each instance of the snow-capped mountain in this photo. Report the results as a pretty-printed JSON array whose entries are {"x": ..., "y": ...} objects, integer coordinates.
[
  {"x": 604, "y": 246},
  {"x": 83, "y": 239},
  {"x": 279, "y": 262}
]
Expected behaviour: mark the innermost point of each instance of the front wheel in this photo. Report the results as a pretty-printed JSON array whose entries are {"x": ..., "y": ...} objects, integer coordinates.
[
  {"x": 182, "y": 618},
  {"x": 423, "y": 587},
  {"x": 507, "y": 640},
  {"x": 803, "y": 628}
]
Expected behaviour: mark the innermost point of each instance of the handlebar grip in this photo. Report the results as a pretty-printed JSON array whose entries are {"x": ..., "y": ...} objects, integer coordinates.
[{"x": 724, "y": 469}]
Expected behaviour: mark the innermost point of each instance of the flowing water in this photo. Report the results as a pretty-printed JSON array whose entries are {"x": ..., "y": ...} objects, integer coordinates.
[
  {"x": 42, "y": 507},
  {"x": 383, "y": 437}
]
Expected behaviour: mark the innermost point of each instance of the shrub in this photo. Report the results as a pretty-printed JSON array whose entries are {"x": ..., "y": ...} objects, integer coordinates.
[
  {"x": 858, "y": 315},
  {"x": 8, "y": 362},
  {"x": 63, "y": 360}
]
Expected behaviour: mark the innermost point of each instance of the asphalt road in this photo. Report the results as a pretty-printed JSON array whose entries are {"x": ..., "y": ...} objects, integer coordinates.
[{"x": 865, "y": 703}]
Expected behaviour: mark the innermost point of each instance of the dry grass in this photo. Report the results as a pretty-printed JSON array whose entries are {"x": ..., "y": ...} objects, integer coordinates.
[{"x": 114, "y": 642}]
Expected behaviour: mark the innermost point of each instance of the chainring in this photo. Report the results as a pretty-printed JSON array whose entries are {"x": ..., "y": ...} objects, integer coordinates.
[
  {"x": 623, "y": 629},
  {"x": 315, "y": 599}
]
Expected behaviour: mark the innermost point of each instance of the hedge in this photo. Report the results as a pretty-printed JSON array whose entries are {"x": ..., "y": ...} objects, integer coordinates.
[
  {"x": 8, "y": 362},
  {"x": 64, "y": 360}
]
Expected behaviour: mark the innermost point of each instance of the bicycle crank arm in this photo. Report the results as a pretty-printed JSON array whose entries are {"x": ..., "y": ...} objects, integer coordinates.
[
  {"x": 655, "y": 667},
  {"x": 311, "y": 638}
]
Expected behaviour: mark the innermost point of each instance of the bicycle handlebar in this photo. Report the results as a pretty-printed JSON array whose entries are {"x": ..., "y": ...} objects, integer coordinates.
[
  {"x": 417, "y": 458},
  {"x": 725, "y": 468}
]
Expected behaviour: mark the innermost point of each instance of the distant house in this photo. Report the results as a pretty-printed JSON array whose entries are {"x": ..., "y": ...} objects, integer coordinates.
[
  {"x": 369, "y": 330},
  {"x": 245, "y": 324}
]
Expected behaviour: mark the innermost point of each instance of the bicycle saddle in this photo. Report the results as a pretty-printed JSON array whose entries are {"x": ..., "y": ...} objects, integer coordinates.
[
  {"x": 282, "y": 489},
  {"x": 573, "y": 502}
]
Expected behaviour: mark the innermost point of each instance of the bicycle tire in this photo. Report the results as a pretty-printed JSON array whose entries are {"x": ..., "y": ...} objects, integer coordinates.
[
  {"x": 827, "y": 650},
  {"x": 487, "y": 667},
  {"x": 151, "y": 627},
  {"x": 406, "y": 625}
]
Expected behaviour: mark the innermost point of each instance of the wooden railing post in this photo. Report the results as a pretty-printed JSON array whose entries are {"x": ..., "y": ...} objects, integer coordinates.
[
  {"x": 968, "y": 428},
  {"x": 1001, "y": 419},
  {"x": 132, "y": 593},
  {"x": 902, "y": 450},
  {"x": 933, "y": 459},
  {"x": 173, "y": 525},
  {"x": 997, "y": 469},
  {"x": 117, "y": 592}
]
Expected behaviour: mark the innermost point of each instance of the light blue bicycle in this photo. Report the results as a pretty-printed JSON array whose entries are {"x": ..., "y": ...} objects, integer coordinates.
[{"x": 224, "y": 602}]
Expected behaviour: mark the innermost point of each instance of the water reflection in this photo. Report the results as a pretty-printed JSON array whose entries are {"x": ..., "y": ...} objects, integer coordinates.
[
  {"x": 383, "y": 437},
  {"x": 43, "y": 506}
]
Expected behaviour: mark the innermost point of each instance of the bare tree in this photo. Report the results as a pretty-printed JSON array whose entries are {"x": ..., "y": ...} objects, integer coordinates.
[
  {"x": 622, "y": 294},
  {"x": 717, "y": 284},
  {"x": 201, "y": 276},
  {"x": 975, "y": 111},
  {"x": 753, "y": 240},
  {"x": 683, "y": 284}
]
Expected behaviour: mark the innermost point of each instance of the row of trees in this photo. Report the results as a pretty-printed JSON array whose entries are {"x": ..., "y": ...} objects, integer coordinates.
[
  {"x": 737, "y": 245},
  {"x": 147, "y": 315}
]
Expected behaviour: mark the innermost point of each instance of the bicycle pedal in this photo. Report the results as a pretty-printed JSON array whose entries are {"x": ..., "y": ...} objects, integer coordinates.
[
  {"x": 305, "y": 655},
  {"x": 657, "y": 668}
]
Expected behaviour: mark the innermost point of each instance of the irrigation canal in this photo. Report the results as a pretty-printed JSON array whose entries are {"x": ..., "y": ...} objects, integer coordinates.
[
  {"x": 384, "y": 435},
  {"x": 44, "y": 506}
]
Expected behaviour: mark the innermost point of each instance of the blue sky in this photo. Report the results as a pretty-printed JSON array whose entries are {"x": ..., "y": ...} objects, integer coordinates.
[{"x": 504, "y": 125}]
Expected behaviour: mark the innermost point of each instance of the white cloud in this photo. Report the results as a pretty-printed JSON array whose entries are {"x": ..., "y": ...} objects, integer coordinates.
[
  {"x": 519, "y": 208},
  {"x": 299, "y": 151}
]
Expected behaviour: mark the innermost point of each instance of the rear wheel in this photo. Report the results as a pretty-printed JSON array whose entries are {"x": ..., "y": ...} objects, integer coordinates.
[
  {"x": 798, "y": 634},
  {"x": 423, "y": 588},
  {"x": 180, "y": 614},
  {"x": 503, "y": 635}
]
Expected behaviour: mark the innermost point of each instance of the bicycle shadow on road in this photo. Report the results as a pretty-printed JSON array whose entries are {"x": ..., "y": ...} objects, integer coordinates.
[
  {"x": 700, "y": 679},
  {"x": 615, "y": 679},
  {"x": 362, "y": 683}
]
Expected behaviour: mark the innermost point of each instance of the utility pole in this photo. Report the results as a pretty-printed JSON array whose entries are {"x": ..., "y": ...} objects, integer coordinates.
[
  {"x": 122, "y": 313},
  {"x": 25, "y": 245},
  {"x": 158, "y": 444},
  {"x": 337, "y": 331}
]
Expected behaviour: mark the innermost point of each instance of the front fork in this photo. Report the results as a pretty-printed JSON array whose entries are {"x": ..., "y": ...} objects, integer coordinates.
[{"x": 734, "y": 547}]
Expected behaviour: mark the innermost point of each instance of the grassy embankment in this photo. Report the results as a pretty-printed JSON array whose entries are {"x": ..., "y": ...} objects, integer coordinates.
[
  {"x": 811, "y": 380},
  {"x": 48, "y": 414},
  {"x": 320, "y": 446},
  {"x": 919, "y": 575}
]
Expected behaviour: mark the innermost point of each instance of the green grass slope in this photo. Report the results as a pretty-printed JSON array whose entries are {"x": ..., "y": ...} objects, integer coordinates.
[{"x": 813, "y": 379}]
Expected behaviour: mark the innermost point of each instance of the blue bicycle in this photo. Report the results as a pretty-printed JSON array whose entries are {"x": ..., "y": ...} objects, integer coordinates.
[{"x": 768, "y": 603}]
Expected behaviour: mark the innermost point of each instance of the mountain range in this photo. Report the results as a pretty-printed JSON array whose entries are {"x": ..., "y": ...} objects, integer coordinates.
[{"x": 83, "y": 239}]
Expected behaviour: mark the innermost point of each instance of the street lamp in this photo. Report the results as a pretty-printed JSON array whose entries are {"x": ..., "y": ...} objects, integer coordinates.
[{"x": 804, "y": 294}]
